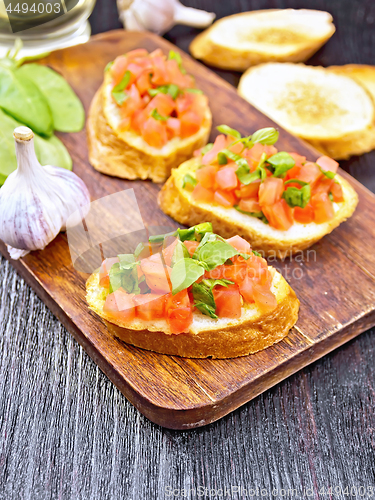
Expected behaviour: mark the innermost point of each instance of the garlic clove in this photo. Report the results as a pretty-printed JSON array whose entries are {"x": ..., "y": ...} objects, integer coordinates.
[
  {"x": 36, "y": 201},
  {"x": 192, "y": 17}
]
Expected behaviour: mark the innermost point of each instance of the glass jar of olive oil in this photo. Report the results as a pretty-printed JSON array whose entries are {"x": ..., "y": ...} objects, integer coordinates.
[{"x": 44, "y": 25}]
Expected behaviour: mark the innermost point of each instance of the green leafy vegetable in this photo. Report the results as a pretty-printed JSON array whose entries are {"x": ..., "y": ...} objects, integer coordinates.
[
  {"x": 194, "y": 91},
  {"x": 258, "y": 215},
  {"x": 158, "y": 116},
  {"x": 124, "y": 274},
  {"x": 256, "y": 253},
  {"x": 207, "y": 148},
  {"x": 195, "y": 233},
  {"x": 123, "y": 84},
  {"x": 109, "y": 65},
  {"x": 120, "y": 97},
  {"x": 180, "y": 252},
  {"x": 266, "y": 136},
  {"x": 215, "y": 253},
  {"x": 327, "y": 173},
  {"x": 22, "y": 100},
  {"x": 203, "y": 295},
  {"x": 189, "y": 180},
  {"x": 139, "y": 250},
  {"x": 186, "y": 234},
  {"x": 330, "y": 196},
  {"x": 224, "y": 129},
  {"x": 177, "y": 57},
  {"x": 171, "y": 89},
  {"x": 222, "y": 159},
  {"x": 297, "y": 197},
  {"x": 67, "y": 111},
  {"x": 295, "y": 181},
  {"x": 184, "y": 273},
  {"x": 159, "y": 238},
  {"x": 281, "y": 163}
]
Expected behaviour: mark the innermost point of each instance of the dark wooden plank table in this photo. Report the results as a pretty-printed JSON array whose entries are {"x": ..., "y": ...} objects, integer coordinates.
[{"x": 67, "y": 432}]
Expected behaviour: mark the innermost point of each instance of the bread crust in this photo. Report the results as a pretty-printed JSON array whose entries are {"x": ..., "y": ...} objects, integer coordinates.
[
  {"x": 178, "y": 203},
  {"x": 238, "y": 339},
  {"x": 112, "y": 155},
  {"x": 239, "y": 59}
]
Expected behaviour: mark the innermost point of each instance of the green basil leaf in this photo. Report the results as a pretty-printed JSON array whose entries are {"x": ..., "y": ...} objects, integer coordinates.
[
  {"x": 215, "y": 253},
  {"x": 206, "y": 309},
  {"x": 171, "y": 89},
  {"x": 282, "y": 162},
  {"x": 120, "y": 97},
  {"x": 158, "y": 116},
  {"x": 267, "y": 136},
  {"x": 186, "y": 234},
  {"x": 203, "y": 293},
  {"x": 224, "y": 129},
  {"x": 207, "y": 148},
  {"x": 124, "y": 274},
  {"x": 258, "y": 215},
  {"x": 177, "y": 57},
  {"x": 330, "y": 196},
  {"x": 194, "y": 91},
  {"x": 115, "y": 278},
  {"x": 184, "y": 273},
  {"x": 109, "y": 65},
  {"x": 295, "y": 181},
  {"x": 202, "y": 229},
  {"x": 247, "y": 177},
  {"x": 180, "y": 252},
  {"x": 297, "y": 197},
  {"x": 222, "y": 159},
  {"x": 256, "y": 253},
  {"x": 212, "y": 282},
  {"x": 327, "y": 173},
  {"x": 189, "y": 179},
  {"x": 139, "y": 250},
  {"x": 127, "y": 260},
  {"x": 123, "y": 84},
  {"x": 159, "y": 238}
]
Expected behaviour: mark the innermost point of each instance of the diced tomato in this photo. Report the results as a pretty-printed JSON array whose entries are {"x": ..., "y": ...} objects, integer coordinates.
[
  {"x": 336, "y": 190},
  {"x": 118, "y": 69},
  {"x": 137, "y": 53},
  {"x": 228, "y": 301},
  {"x": 154, "y": 132},
  {"x": 264, "y": 298},
  {"x": 202, "y": 194},
  {"x": 211, "y": 155},
  {"x": 133, "y": 103},
  {"x": 179, "y": 312},
  {"x": 190, "y": 123},
  {"x": 206, "y": 176},
  {"x": 309, "y": 172},
  {"x": 199, "y": 105},
  {"x": 249, "y": 205},
  {"x": 247, "y": 289},
  {"x": 191, "y": 246},
  {"x": 160, "y": 74},
  {"x": 143, "y": 82},
  {"x": 173, "y": 127},
  {"x": 175, "y": 75},
  {"x": 238, "y": 271},
  {"x": 270, "y": 191},
  {"x": 298, "y": 159},
  {"x": 150, "y": 306},
  {"x": 293, "y": 173},
  {"x": 168, "y": 252},
  {"x": 138, "y": 119},
  {"x": 225, "y": 198},
  {"x": 119, "y": 305},
  {"x": 304, "y": 215},
  {"x": 254, "y": 154},
  {"x": 323, "y": 208},
  {"x": 226, "y": 179},
  {"x": 324, "y": 185},
  {"x": 257, "y": 269},
  {"x": 104, "y": 271},
  {"x": 249, "y": 191},
  {"x": 239, "y": 244},
  {"x": 135, "y": 69},
  {"x": 156, "y": 273},
  {"x": 163, "y": 103},
  {"x": 279, "y": 215},
  {"x": 184, "y": 102},
  {"x": 327, "y": 163}
]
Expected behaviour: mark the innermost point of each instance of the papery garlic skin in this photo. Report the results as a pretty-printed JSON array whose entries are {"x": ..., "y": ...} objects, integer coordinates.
[
  {"x": 36, "y": 201},
  {"x": 160, "y": 16}
]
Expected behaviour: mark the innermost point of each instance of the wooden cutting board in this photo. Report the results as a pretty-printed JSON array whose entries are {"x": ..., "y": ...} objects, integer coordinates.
[{"x": 335, "y": 282}]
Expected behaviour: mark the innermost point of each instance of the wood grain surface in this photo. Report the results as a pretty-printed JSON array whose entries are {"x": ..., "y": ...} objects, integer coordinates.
[
  {"x": 66, "y": 431},
  {"x": 181, "y": 393}
]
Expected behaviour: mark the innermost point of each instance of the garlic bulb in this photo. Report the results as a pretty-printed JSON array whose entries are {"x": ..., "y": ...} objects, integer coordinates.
[
  {"x": 36, "y": 201},
  {"x": 160, "y": 16}
]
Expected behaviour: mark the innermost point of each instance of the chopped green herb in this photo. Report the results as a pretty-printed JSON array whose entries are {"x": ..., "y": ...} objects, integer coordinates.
[
  {"x": 186, "y": 234},
  {"x": 207, "y": 148},
  {"x": 159, "y": 238},
  {"x": 330, "y": 196},
  {"x": 327, "y": 173},
  {"x": 139, "y": 250},
  {"x": 123, "y": 84},
  {"x": 215, "y": 253},
  {"x": 206, "y": 309},
  {"x": 202, "y": 229},
  {"x": 124, "y": 275},
  {"x": 224, "y": 129},
  {"x": 295, "y": 181},
  {"x": 267, "y": 136},
  {"x": 177, "y": 57},
  {"x": 189, "y": 180},
  {"x": 171, "y": 89},
  {"x": 180, "y": 252},
  {"x": 109, "y": 66},
  {"x": 120, "y": 97},
  {"x": 158, "y": 116},
  {"x": 281, "y": 163},
  {"x": 258, "y": 215},
  {"x": 194, "y": 91},
  {"x": 203, "y": 295},
  {"x": 222, "y": 159},
  {"x": 256, "y": 253},
  {"x": 184, "y": 273},
  {"x": 297, "y": 197}
]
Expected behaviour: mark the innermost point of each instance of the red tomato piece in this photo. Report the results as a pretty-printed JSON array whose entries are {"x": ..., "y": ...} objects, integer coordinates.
[
  {"x": 225, "y": 198},
  {"x": 270, "y": 191},
  {"x": 327, "y": 163},
  {"x": 309, "y": 173},
  {"x": 163, "y": 103},
  {"x": 323, "y": 185},
  {"x": 160, "y": 74},
  {"x": 118, "y": 69},
  {"x": 336, "y": 190},
  {"x": 168, "y": 252},
  {"x": 249, "y": 191},
  {"x": 179, "y": 312},
  {"x": 239, "y": 244},
  {"x": 154, "y": 132},
  {"x": 264, "y": 298},
  {"x": 299, "y": 160},
  {"x": 211, "y": 156},
  {"x": 247, "y": 289},
  {"x": 228, "y": 301},
  {"x": 143, "y": 82},
  {"x": 202, "y": 194},
  {"x": 249, "y": 205},
  {"x": 279, "y": 215},
  {"x": 184, "y": 102},
  {"x": 323, "y": 208},
  {"x": 104, "y": 271},
  {"x": 191, "y": 246},
  {"x": 190, "y": 123},
  {"x": 173, "y": 127},
  {"x": 138, "y": 119},
  {"x": 206, "y": 176},
  {"x": 150, "y": 306},
  {"x": 137, "y": 53},
  {"x": 257, "y": 269},
  {"x": 175, "y": 76},
  {"x": 135, "y": 69},
  {"x": 226, "y": 179},
  {"x": 119, "y": 305},
  {"x": 238, "y": 271},
  {"x": 156, "y": 273},
  {"x": 304, "y": 215}
]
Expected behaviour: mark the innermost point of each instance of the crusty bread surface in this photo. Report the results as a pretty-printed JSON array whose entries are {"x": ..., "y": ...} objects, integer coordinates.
[
  {"x": 178, "y": 203},
  {"x": 207, "y": 337},
  {"x": 249, "y": 38},
  {"x": 127, "y": 155},
  {"x": 331, "y": 109}
]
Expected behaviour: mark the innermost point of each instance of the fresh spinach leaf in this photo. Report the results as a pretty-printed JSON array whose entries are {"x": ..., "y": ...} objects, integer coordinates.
[
  {"x": 67, "y": 111},
  {"x": 184, "y": 273}
]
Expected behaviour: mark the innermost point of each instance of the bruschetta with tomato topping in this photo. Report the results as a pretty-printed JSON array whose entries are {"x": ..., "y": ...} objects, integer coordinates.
[
  {"x": 279, "y": 202},
  {"x": 194, "y": 294},
  {"x": 147, "y": 117}
]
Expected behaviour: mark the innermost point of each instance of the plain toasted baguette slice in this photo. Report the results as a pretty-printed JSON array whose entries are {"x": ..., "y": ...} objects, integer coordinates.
[
  {"x": 126, "y": 154},
  {"x": 243, "y": 40},
  {"x": 216, "y": 338},
  {"x": 177, "y": 202},
  {"x": 331, "y": 110}
]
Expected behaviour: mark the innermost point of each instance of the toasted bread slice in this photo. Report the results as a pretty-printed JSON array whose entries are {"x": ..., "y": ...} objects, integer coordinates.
[
  {"x": 243, "y": 40},
  {"x": 331, "y": 111},
  {"x": 124, "y": 153},
  {"x": 178, "y": 203},
  {"x": 216, "y": 338}
]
